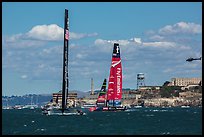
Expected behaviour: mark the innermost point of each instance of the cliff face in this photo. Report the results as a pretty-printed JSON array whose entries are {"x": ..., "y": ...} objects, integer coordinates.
[{"x": 185, "y": 98}]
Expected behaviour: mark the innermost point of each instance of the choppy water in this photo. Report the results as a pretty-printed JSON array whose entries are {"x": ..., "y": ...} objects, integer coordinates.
[{"x": 140, "y": 121}]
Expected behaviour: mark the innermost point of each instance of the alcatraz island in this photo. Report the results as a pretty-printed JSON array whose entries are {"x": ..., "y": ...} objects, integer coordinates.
[{"x": 180, "y": 92}]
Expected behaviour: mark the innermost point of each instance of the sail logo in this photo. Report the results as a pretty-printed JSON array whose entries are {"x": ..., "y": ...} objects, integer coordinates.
[
  {"x": 118, "y": 79},
  {"x": 117, "y": 49},
  {"x": 115, "y": 63},
  {"x": 66, "y": 34}
]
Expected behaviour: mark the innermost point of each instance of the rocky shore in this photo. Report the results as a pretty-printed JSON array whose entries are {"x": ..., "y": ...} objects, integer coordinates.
[{"x": 165, "y": 102}]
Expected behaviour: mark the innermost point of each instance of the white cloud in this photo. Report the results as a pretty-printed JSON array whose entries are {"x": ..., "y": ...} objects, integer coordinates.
[
  {"x": 157, "y": 37},
  {"x": 81, "y": 56},
  {"x": 136, "y": 40},
  {"x": 18, "y": 41},
  {"x": 81, "y": 35},
  {"x": 127, "y": 46},
  {"x": 121, "y": 42},
  {"x": 24, "y": 76},
  {"x": 52, "y": 50},
  {"x": 160, "y": 44},
  {"x": 46, "y": 32},
  {"x": 100, "y": 42},
  {"x": 181, "y": 27},
  {"x": 39, "y": 35},
  {"x": 12, "y": 38},
  {"x": 53, "y": 33}
]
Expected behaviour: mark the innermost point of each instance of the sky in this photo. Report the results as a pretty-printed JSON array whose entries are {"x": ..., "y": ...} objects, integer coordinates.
[{"x": 155, "y": 38}]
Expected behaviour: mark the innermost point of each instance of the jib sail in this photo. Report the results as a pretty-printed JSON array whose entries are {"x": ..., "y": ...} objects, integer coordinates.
[{"x": 101, "y": 101}]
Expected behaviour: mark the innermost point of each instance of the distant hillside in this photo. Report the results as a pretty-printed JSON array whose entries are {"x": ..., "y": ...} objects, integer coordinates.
[
  {"x": 26, "y": 99},
  {"x": 40, "y": 99}
]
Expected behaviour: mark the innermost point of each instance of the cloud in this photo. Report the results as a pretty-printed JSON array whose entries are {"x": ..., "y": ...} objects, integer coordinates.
[
  {"x": 160, "y": 44},
  {"x": 137, "y": 42},
  {"x": 156, "y": 37},
  {"x": 126, "y": 45},
  {"x": 181, "y": 28},
  {"x": 18, "y": 41},
  {"x": 53, "y": 32},
  {"x": 100, "y": 42},
  {"x": 46, "y": 32},
  {"x": 158, "y": 55},
  {"x": 39, "y": 36},
  {"x": 24, "y": 76},
  {"x": 81, "y": 35},
  {"x": 80, "y": 56},
  {"x": 86, "y": 61},
  {"x": 12, "y": 38},
  {"x": 121, "y": 42},
  {"x": 39, "y": 57}
]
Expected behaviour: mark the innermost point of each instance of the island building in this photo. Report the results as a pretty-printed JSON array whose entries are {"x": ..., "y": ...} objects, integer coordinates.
[
  {"x": 185, "y": 81},
  {"x": 57, "y": 97}
]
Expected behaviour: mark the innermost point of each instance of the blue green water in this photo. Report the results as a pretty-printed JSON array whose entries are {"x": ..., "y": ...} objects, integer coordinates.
[{"x": 140, "y": 121}]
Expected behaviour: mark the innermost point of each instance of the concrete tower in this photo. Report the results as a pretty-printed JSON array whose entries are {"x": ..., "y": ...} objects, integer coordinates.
[
  {"x": 140, "y": 80},
  {"x": 92, "y": 86}
]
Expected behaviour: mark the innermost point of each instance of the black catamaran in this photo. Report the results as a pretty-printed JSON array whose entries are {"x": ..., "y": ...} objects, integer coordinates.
[{"x": 65, "y": 81}]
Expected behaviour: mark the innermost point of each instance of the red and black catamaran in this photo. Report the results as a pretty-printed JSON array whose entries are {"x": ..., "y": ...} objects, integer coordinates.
[{"x": 112, "y": 98}]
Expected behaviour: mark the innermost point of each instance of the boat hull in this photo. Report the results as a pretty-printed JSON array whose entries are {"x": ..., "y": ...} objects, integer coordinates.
[
  {"x": 107, "y": 109},
  {"x": 66, "y": 112}
]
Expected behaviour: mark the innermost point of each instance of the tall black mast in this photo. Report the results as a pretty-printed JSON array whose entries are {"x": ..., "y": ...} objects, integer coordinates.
[{"x": 65, "y": 82}]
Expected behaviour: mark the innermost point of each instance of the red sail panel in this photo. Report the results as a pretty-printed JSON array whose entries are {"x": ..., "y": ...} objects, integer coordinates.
[
  {"x": 115, "y": 79},
  {"x": 118, "y": 81},
  {"x": 110, "y": 92}
]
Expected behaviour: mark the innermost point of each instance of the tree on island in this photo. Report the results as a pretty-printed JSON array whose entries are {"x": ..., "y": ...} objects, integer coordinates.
[{"x": 169, "y": 91}]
